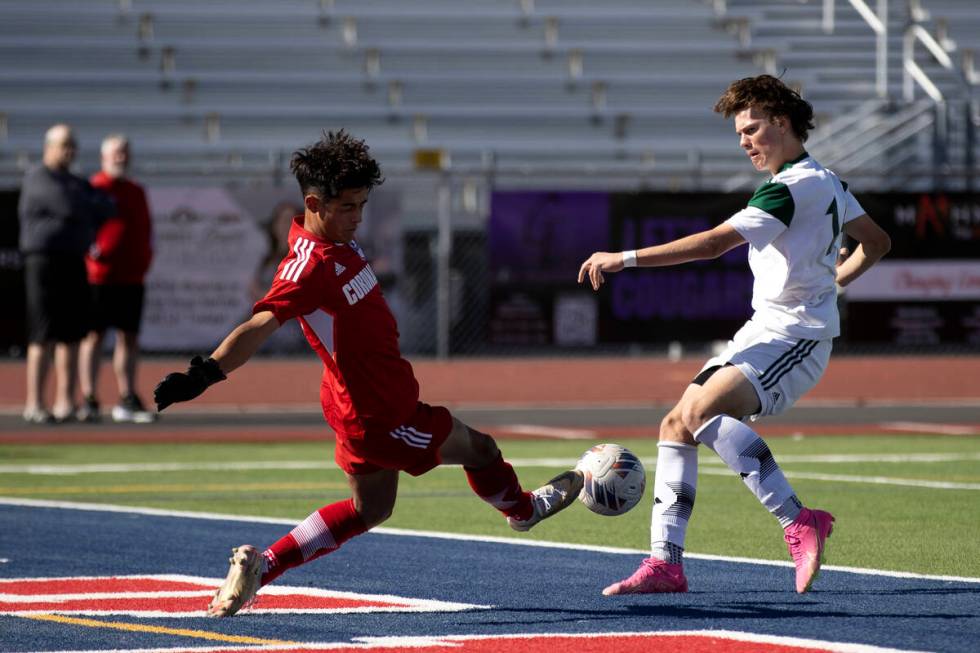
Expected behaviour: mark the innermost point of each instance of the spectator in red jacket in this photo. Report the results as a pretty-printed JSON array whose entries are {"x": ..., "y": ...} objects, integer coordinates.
[{"x": 117, "y": 264}]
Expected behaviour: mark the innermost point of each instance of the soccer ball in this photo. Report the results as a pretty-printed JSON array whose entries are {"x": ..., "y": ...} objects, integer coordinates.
[{"x": 614, "y": 479}]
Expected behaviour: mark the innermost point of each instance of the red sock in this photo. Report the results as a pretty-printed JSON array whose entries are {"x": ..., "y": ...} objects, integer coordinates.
[
  {"x": 497, "y": 484},
  {"x": 319, "y": 534}
]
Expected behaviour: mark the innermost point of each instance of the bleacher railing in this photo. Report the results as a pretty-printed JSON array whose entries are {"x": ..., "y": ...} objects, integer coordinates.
[{"x": 877, "y": 20}]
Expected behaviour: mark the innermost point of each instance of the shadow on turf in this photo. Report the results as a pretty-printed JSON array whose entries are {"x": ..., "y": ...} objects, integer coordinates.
[
  {"x": 774, "y": 610},
  {"x": 932, "y": 591},
  {"x": 740, "y": 610}
]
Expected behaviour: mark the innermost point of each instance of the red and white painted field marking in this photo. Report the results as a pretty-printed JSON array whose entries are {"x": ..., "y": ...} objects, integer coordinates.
[
  {"x": 187, "y": 596},
  {"x": 706, "y": 641}
]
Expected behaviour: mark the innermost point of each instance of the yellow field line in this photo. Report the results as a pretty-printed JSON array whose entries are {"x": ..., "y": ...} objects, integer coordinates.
[
  {"x": 158, "y": 630},
  {"x": 164, "y": 488}
]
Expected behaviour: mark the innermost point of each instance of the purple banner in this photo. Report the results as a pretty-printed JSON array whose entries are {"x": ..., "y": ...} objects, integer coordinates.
[
  {"x": 538, "y": 240},
  {"x": 691, "y": 293},
  {"x": 699, "y": 301},
  {"x": 543, "y": 237}
]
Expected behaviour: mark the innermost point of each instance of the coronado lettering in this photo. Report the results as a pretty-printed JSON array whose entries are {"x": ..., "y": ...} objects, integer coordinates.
[{"x": 362, "y": 283}]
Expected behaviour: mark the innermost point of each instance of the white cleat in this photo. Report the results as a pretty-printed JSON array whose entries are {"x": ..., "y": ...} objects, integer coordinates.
[
  {"x": 556, "y": 495},
  {"x": 238, "y": 590}
]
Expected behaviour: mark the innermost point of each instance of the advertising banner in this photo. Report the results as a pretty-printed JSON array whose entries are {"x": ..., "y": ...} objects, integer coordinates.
[
  {"x": 216, "y": 251},
  {"x": 913, "y": 324},
  {"x": 701, "y": 301},
  {"x": 911, "y": 280},
  {"x": 926, "y": 292},
  {"x": 207, "y": 251},
  {"x": 538, "y": 241},
  {"x": 939, "y": 226}
]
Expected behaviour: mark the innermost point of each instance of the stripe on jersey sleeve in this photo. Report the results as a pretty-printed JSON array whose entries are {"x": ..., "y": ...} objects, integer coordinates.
[
  {"x": 775, "y": 199},
  {"x": 302, "y": 248}
]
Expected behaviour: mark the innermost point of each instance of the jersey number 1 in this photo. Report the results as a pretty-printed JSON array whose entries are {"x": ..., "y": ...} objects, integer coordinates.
[{"x": 832, "y": 211}]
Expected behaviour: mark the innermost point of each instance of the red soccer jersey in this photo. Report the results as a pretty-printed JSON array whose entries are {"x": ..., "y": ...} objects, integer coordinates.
[
  {"x": 330, "y": 288},
  {"x": 122, "y": 247}
]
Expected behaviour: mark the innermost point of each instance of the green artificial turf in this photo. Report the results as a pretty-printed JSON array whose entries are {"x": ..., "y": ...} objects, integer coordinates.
[{"x": 881, "y": 525}]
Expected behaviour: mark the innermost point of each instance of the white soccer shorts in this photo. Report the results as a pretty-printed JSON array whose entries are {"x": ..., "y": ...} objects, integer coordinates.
[{"x": 781, "y": 368}]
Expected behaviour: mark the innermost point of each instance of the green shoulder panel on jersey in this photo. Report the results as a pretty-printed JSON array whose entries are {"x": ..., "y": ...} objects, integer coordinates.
[{"x": 776, "y": 200}]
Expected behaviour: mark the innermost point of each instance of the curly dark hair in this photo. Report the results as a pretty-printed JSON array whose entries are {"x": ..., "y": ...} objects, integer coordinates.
[
  {"x": 773, "y": 97},
  {"x": 335, "y": 163}
]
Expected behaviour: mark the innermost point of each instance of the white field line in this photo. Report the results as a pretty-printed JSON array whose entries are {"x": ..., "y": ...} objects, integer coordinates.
[
  {"x": 157, "y": 512},
  {"x": 876, "y": 480},
  {"x": 128, "y": 468},
  {"x": 715, "y": 469},
  {"x": 711, "y": 469},
  {"x": 880, "y": 458}
]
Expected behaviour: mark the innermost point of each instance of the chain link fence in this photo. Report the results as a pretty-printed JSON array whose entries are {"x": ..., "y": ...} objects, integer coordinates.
[{"x": 465, "y": 277}]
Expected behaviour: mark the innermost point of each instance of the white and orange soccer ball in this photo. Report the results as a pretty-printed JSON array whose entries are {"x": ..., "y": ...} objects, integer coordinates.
[{"x": 614, "y": 479}]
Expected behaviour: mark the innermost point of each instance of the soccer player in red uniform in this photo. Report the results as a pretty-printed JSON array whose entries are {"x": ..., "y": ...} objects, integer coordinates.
[{"x": 369, "y": 394}]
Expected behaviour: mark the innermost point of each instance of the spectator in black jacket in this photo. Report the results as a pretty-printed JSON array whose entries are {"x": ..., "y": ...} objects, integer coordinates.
[{"x": 59, "y": 213}]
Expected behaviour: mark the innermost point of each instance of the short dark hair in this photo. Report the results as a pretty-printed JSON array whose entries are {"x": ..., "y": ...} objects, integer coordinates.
[
  {"x": 773, "y": 97},
  {"x": 335, "y": 163}
]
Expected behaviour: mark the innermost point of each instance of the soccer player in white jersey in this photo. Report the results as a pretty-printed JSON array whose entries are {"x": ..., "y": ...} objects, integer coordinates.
[{"x": 793, "y": 226}]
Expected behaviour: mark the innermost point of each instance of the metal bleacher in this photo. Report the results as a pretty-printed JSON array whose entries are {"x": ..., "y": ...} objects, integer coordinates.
[
  {"x": 227, "y": 88},
  {"x": 550, "y": 92},
  {"x": 876, "y": 121}
]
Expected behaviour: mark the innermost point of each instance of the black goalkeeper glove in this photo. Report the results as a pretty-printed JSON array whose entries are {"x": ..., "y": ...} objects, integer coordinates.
[{"x": 184, "y": 386}]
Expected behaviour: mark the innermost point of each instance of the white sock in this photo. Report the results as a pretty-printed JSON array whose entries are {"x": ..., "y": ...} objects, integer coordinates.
[
  {"x": 674, "y": 488},
  {"x": 748, "y": 456}
]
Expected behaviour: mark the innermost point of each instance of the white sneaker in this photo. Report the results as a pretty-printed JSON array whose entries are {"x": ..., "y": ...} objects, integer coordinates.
[
  {"x": 556, "y": 495},
  {"x": 38, "y": 416},
  {"x": 130, "y": 409}
]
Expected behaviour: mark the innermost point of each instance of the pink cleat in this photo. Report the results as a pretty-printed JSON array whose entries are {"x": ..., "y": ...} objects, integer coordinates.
[
  {"x": 806, "y": 537},
  {"x": 653, "y": 577}
]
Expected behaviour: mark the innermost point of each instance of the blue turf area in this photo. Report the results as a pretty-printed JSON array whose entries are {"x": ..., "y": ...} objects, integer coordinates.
[{"x": 532, "y": 589}]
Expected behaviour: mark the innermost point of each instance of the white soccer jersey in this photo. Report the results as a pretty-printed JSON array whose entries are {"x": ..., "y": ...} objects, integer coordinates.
[{"x": 793, "y": 224}]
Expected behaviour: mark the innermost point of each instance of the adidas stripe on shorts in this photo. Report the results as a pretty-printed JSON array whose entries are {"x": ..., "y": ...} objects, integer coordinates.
[
  {"x": 781, "y": 368},
  {"x": 412, "y": 447}
]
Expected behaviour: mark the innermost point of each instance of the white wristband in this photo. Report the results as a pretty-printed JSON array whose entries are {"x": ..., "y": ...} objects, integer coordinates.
[{"x": 629, "y": 258}]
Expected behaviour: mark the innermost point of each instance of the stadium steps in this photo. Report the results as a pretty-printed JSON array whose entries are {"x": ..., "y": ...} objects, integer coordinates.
[
  {"x": 552, "y": 82},
  {"x": 629, "y": 81}
]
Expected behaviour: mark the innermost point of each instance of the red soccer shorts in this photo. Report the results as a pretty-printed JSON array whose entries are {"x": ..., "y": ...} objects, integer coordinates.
[{"x": 413, "y": 447}]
